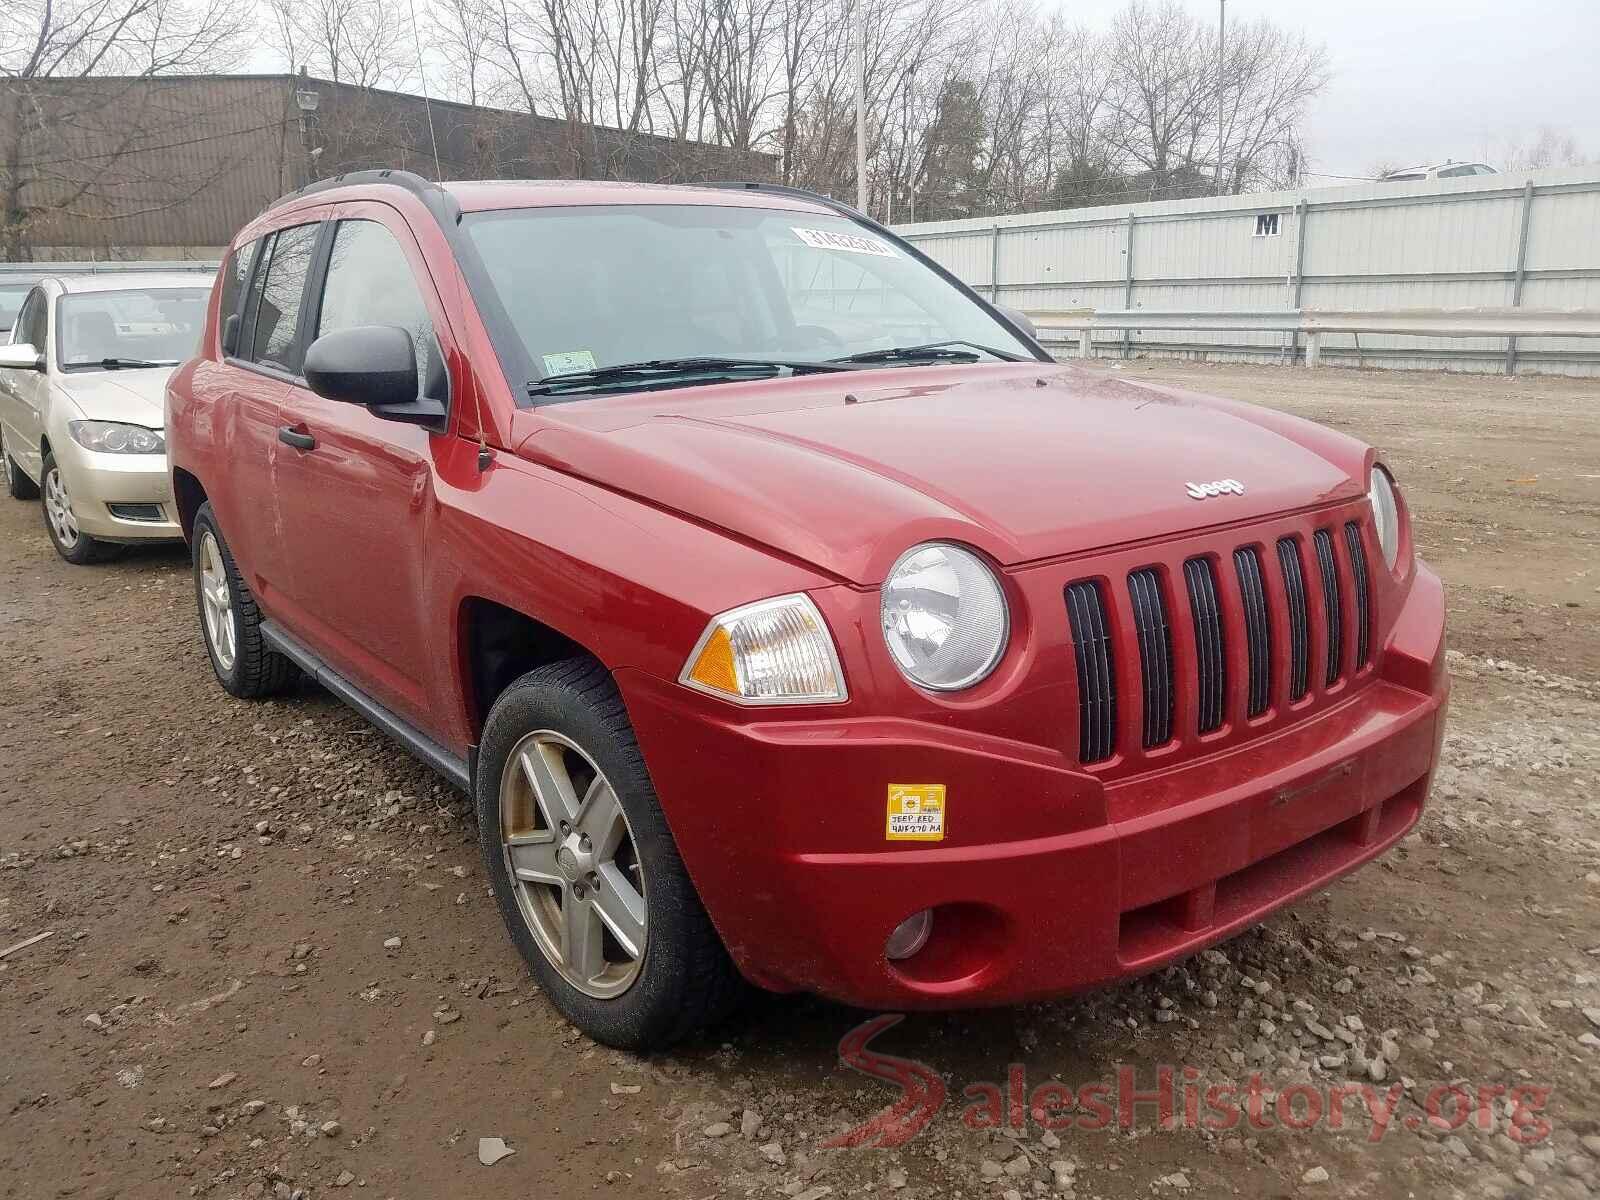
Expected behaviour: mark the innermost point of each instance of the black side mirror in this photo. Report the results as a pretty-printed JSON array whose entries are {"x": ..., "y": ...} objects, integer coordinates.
[
  {"x": 1020, "y": 318},
  {"x": 230, "y": 335},
  {"x": 375, "y": 366}
]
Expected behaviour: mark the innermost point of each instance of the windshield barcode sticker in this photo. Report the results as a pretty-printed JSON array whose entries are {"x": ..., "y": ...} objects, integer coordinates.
[{"x": 850, "y": 243}]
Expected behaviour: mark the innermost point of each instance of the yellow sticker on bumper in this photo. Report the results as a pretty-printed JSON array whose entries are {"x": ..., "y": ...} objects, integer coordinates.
[{"x": 916, "y": 812}]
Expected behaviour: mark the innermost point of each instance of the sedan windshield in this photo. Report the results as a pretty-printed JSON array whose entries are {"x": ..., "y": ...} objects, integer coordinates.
[
  {"x": 106, "y": 331},
  {"x": 574, "y": 291}
]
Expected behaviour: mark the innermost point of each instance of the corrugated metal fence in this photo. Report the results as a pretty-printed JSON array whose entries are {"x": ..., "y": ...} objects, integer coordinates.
[{"x": 1531, "y": 239}]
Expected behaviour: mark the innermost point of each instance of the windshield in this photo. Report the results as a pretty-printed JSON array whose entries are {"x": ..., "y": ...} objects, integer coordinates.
[
  {"x": 585, "y": 288},
  {"x": 98, "y": 331}
]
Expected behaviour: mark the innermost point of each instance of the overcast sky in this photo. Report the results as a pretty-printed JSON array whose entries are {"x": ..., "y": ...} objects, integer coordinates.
[{"x": 1425, "y": 80}]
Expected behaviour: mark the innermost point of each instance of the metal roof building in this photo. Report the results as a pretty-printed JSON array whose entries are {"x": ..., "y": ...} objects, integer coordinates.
[{"x": 169, "y": 167}]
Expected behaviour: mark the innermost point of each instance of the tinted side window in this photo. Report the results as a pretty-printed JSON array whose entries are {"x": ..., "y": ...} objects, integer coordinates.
[
  {"x": 275, "y": 342},
  {"x": 370, "y": 283}
]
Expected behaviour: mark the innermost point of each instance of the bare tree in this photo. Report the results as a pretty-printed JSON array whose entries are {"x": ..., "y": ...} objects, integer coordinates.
[
  {"x": 1271, "y": 77},
  {"x": 462, "y": 32},
  {"x": 974, "y": 106},
  {"x": 1549, "y": 147},
  {"x": 1161, "y": 93},
  {"x": 364, "y": 42},
  {"x": 75, "y": 148}
]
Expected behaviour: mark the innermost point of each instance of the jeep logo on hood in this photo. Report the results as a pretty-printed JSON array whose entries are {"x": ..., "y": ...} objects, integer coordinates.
[{"x": 1217, "y": 487}]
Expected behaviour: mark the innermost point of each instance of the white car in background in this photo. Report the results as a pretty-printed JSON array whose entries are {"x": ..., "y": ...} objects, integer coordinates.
[
  {"x": 1444, "y": 170},
  {"x": 81, "y": 394}
]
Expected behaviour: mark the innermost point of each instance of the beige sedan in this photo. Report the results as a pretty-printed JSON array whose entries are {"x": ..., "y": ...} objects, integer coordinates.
[{"x": 81, "y": 391}]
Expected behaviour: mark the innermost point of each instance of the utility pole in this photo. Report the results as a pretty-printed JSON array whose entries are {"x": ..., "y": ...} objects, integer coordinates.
[
  {"x": 1222, "y": 71},
  {"x": 861, "y": 106}
]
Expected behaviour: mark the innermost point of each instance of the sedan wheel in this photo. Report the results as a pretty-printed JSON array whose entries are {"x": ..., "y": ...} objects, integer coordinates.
[
  {"x": 77, "y": 547},
  {"x": 58, "y": 510},
  {"x": 216, "y": 603},
  {"x": 570, "y": 851}
]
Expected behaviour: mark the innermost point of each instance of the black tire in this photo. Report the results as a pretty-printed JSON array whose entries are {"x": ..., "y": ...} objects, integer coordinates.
[
  {"x": 80, "y": 549},
  {"x": 18, "y": 485},
  {"x": 255, "y": 671},
  {"x": 685, "y": 981}
]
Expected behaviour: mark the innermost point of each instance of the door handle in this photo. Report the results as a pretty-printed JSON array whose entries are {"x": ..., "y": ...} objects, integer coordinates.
[{"x": 291, "y": 436}]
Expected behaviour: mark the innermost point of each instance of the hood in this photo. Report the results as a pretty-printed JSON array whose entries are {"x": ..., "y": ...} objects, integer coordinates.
[
  {"x": 133, "y": 394},
  {"x": 1026, "y": 462}
]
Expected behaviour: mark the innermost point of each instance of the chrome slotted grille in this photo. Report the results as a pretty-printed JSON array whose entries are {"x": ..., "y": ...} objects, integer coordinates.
[
  {"x": 1332, "y": 606},
  {"x": 1257, "y": 630},
  {"x": 1210, "y": 661},
  {"x": 1188, "y": 684},
  {"x": 1155, "y": 654},
  {"x": 1358, "y": 571},
  {"x": 1097, "y": 686},
  {"x": 1294, "y": 587}
]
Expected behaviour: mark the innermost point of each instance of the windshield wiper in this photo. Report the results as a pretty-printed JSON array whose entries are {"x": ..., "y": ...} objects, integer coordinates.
[
  {"x": 112, "y": 364},
  {"x": 668, "y": 371},
  {"x": 931, "y": 352}
]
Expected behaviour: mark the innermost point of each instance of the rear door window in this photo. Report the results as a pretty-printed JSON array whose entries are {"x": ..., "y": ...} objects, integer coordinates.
[{"x": 273, "y": 310}]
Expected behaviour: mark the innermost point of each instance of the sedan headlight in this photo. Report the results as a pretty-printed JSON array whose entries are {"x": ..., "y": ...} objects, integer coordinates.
[
  {"x": 1385, "y": 514},
  {"x": 944, "y": 617},
  {"x": 114, "y": 437},
  {"x": 772, "y": 652}
]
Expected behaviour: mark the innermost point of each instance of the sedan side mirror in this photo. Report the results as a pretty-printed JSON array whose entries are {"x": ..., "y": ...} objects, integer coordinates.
[
  {"x": 1020, "y": 318},
  {"x": 374, "y": 366},
  {"x": 21, "y": 356}
]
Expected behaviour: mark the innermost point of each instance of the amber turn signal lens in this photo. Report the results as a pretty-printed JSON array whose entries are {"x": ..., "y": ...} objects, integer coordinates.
[
  {"x": 714, "y": 668},
  {"x": 772, "y": 652}
]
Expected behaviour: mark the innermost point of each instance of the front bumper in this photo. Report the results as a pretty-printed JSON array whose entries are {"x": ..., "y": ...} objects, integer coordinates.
[
  {"x": 1049, "y": 880},
  {"x": 133, "y": 483}
]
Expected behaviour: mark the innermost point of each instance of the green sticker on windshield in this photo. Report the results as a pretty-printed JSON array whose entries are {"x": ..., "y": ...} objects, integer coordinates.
[{"x": 565, "y": 364}]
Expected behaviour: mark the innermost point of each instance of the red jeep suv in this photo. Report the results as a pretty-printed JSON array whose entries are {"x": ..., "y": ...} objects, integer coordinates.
[{"x": 788, "y": 613}]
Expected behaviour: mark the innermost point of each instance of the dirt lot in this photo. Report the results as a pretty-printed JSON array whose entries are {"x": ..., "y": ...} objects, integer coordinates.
[{"x": 217, "y": 1013}]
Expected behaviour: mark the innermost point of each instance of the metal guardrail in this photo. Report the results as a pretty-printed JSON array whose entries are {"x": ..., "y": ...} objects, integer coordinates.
[
  {"x": 37, "y": 270},
  {"x": 1315, "y": 324}
]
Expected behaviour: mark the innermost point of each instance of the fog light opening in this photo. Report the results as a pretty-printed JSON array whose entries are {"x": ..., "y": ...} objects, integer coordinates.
[{"x": 909, "y": 936}]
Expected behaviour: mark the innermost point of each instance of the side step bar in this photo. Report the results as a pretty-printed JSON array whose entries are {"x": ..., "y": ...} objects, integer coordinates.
[{"x": 457, "y": 770}]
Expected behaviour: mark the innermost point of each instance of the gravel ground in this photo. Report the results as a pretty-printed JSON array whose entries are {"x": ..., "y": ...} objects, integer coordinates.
[{"x": 274, "y": 969}]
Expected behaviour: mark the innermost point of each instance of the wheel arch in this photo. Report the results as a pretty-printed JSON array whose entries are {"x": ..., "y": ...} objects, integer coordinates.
[
  {"x": 498, "y": 644},
  {"x": 189, "y": 494}
]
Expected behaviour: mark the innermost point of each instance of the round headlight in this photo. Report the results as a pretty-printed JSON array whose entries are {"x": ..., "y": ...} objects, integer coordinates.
[
  {"x": 944, "y": 616},
  {"x": 1385, "y": 514}
]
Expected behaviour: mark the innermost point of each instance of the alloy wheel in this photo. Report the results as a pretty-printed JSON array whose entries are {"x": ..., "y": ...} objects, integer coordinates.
[
  {"x": 216, "y": 602},
  {"x": 5, "y": 463},
  {"x": 58, "y": 508},
  {"x": 573, "y": 864}
]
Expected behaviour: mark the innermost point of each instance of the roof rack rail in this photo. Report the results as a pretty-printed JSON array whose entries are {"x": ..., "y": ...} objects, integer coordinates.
[
  {"x": 783, "y": 189},
  {"x": 438, "y": 201},
  {"x": 409, "y": 180}
]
